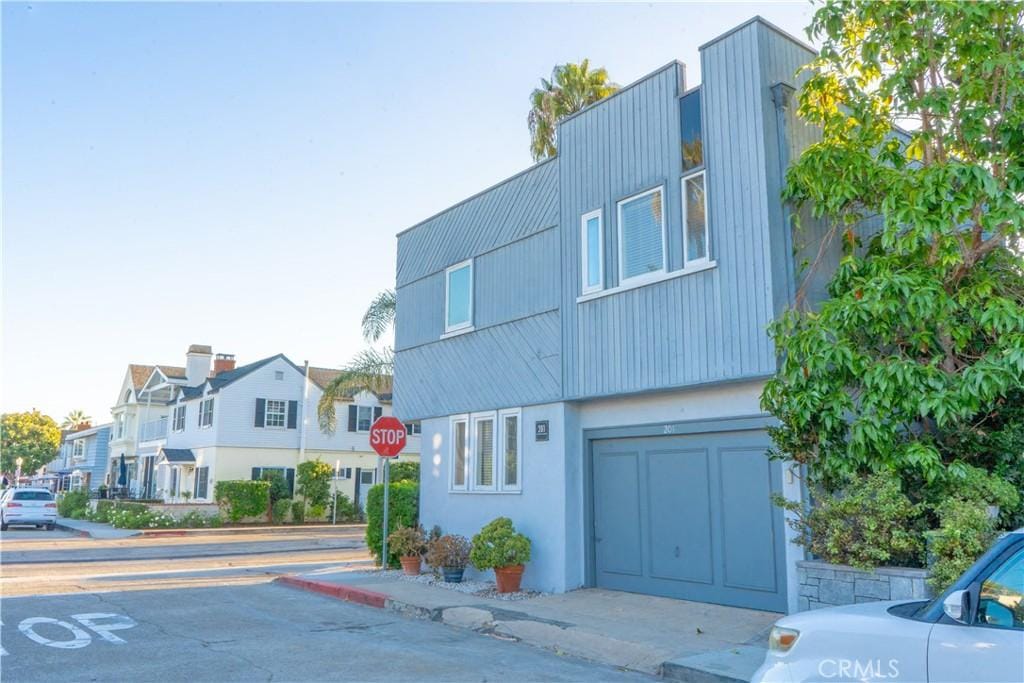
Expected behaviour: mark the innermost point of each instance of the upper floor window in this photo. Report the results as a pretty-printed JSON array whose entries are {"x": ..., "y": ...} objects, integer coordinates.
[
  {"x": 641, "y": 235},
  {"x": 277, "y": 413},
  {"x": 361, "y": 418},
  {"x": 695, "y": 224},
  {"x": 206, "y": 412},
  {"x": 692, "y": 133},
  {"x": 78, "y": 450},
  {"x": 592, "y": 251},
  {"x": 121, "y": 425},
  {"x": 485, "y": 452},
  {"x": 458, "y": 296},
  {"x": 279, "y": 375},
  {"x": 178, "y": 423}
]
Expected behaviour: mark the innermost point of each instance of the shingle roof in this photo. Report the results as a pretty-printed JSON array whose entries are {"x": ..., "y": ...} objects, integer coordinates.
[
  {"x": 323, "y": 376},
  {"x": 141, "y": 373}
]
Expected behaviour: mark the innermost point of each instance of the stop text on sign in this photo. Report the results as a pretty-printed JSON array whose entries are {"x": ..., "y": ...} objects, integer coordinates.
[{"x": 387, "y": 436}]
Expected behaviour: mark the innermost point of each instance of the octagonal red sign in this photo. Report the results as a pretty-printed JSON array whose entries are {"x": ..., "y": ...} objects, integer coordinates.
[{"x": 387, "y": 436}]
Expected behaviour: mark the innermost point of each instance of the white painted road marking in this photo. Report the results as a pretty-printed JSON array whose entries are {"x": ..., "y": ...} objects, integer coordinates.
[{"x": 79, "y": 638}]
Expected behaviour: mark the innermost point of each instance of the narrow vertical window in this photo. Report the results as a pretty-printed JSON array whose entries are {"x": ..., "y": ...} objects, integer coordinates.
[
  {"x": 484, "y": 440},
  {"x": 458, "y": 296},
  {"x": 695, "y": 225},
  {"x": 641, "y": 235},
  {"x": 592, "y": 251},
  {"x": 510, "y": 432},
  {"x": 459, "y": 453},
  {"x": 691, "y": 131}
]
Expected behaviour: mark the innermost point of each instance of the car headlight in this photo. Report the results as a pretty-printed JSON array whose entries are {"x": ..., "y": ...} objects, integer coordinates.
[{"x": 782, "y": 639}]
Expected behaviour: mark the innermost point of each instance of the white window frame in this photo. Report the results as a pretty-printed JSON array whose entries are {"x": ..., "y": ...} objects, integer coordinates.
[
  {"x": 203, "y": 424},
  {"x": 706, "y": 258},
  {"x": 468, "y": 325},
  {"x": 361, "y": 408},
  {"x": 471, "y": 420},
  {"x": 585, "y": 252},
  {"x": 174, "y": 418},
  {"x": 654, "y": 274},
  {"x": 283, "y": 413},
  {"x": 491, "y": 416},
  {"x": 503, "y": 485},
  {"x": 78, "y": 450},
  {"x": 466, "y": 471}
]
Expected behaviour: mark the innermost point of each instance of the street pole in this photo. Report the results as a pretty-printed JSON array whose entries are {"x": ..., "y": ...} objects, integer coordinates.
[
  {"x": 334, "y": 490},
  {"x": 387, "y": 477}
]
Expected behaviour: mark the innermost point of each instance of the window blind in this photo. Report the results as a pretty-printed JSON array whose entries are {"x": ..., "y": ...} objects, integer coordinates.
[
  {"x": 511, "y": 451},
  {"x": 459, "y": 473},
  {"x": 485, "y": 453},
  {"x": 641, "y": 235}
]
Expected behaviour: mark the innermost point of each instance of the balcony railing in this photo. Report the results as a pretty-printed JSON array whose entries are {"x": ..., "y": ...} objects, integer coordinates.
[{"x": 153, "y": 430}]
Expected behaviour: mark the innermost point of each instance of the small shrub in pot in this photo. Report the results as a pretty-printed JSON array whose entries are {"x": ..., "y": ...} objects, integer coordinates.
[
  {"x": 449, "y": 554},
  {"x": 409, "y": 543},
  {"x": 500, "y": 547}
]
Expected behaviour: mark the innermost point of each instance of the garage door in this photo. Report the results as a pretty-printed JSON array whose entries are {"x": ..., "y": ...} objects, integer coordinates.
[{"x": 689, "y": 517}]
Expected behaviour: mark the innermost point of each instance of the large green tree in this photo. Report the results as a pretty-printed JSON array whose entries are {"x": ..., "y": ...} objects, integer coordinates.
[
  {"x": 31, "y": 436},
  {"x": 571, "y": 88},
  {"x": 919, "y": 351},
  {"x": 371, "y": 369}
]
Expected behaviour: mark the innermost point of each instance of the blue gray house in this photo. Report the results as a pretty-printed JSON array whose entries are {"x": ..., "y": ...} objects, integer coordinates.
[
  {"x": 82, "y": 460},
  {"x": 585, "y": 342}
]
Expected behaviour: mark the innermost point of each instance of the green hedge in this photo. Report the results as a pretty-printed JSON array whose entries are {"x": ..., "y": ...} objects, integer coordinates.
[
  {"x": 404, "y": 501},
  {"x": 72, "y": 503},
  {"x": 242, "y": 498},
  {"x": 405, "y": 471}
]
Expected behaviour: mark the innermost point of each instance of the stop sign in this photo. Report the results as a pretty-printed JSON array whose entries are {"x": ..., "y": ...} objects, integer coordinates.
[{"x": 387, "y": 436}]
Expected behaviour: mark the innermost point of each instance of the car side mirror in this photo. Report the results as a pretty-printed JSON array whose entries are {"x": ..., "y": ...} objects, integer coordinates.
[{"x": 957, "y": 606}]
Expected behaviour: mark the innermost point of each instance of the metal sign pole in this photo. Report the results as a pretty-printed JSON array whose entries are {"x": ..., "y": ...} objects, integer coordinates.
[{"x": 387, "y": 477}]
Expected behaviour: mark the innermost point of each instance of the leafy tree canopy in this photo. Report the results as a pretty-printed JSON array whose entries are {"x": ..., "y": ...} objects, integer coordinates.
[
  {"x": 32, "y": 436},
  {"x": 920, "y": 348}
]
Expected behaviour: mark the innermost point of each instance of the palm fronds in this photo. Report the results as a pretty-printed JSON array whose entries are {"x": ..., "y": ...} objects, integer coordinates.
[
  {"x": 571, "y": 88},
  {"x": 379, "y": 316}
]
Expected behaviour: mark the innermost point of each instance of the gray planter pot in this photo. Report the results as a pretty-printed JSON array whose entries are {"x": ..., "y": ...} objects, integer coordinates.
[{"x": 453, "y": 574}]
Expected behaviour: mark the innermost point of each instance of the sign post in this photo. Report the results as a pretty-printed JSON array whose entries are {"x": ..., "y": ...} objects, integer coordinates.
[{"x": 387, "y": 438}]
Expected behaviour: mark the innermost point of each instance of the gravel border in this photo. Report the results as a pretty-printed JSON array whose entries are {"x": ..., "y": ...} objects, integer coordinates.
[{"x": 482, "y": 589}]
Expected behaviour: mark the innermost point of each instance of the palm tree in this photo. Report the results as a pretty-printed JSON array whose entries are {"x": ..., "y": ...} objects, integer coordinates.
[
  {"x": 75, "y": 420},
  {"x": 571, "y": 88},
  {"x": 370, "y": 370}
]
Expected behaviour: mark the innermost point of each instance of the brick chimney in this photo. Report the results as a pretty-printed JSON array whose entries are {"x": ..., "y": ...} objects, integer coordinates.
[{"x": 223, "y": 362}]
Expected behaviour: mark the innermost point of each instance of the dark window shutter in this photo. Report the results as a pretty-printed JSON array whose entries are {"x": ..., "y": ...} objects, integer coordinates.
[
  {"x": 261, "y": 412},
  {"x": 257, "y": 473},
  {"x": 377, "y": 413},
  {"x": 293, "y": 414},
  {"x": 201, "y": 413},
  {"x": 352, "y": 410},
  {"x": 290, "y": 476}
]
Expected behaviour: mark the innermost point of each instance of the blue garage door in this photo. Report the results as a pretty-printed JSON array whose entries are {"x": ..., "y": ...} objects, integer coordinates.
[{"x": 690, "y": 517}]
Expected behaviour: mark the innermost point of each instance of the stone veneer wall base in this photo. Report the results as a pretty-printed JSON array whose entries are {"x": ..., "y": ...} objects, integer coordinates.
[{"x": 828, "y": 585}]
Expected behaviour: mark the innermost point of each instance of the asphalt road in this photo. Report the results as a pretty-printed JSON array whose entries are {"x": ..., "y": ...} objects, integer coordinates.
[{"x": 218, "y": 617}]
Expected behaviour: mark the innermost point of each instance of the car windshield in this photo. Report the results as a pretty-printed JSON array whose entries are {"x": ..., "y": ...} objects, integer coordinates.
[{"x": 32, "y": 495}]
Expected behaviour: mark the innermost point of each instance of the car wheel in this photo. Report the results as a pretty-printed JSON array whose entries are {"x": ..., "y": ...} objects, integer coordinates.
[
  {"x": 51, "y": 526},
  {"x": 3, "y": 526}
]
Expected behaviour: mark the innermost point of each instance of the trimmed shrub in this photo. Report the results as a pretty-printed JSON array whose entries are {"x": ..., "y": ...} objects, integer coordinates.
[
  {"x": 298, "y": 511},
  {"x": 499, "y": 545},
  {"x": 314, "y": 479},
  {"x": 102, "y": 511},
  {"x": 242, "y": 498},
  {"x": 965, "y": 532},
  {"x": 348, "y": 511},
  {"x": 72, "y": 502},
  {"x": 280, "y": 510},
  {"x": 868, "y": 524},
  {"x": 404, "y": 471},
  {"x": 404, "y": 501}
]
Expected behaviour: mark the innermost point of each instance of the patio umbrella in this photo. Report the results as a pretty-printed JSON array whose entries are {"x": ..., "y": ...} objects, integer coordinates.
[{"x": 122, "y": 472}]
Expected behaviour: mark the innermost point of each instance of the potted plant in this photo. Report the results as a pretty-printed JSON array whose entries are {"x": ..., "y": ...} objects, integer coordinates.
[
  {"x": 409, "y": 543},
  {"x": 449, "y": 553},
  {"x": 500, "y": 547}
]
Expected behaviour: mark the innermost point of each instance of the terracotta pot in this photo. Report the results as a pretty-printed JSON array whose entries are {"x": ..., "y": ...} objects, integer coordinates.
[
  {"x": 509, "y": 578},
  {"x": 410, "y": 564}
]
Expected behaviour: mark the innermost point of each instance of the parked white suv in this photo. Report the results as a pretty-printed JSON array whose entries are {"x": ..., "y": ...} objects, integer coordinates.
[
  {"x": 972, "y": 632},
  {"x": 28, "y": 506}
]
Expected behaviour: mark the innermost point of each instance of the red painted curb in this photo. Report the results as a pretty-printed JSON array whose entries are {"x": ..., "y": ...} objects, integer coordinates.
[{"x": 337, "y": 590}]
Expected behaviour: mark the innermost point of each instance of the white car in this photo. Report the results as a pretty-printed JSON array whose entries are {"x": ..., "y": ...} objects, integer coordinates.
[
  {"x": 972, "y": 632},
  {"x": 28, "y": 506}
]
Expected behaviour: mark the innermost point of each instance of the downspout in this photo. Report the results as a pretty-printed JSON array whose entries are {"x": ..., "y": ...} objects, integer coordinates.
[{"x": 302, "y": 423}]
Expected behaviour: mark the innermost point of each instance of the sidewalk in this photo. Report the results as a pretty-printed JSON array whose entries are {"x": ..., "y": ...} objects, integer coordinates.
[
  {"x": 686, "y": 641},
  {"x": 93, "y": 529}
]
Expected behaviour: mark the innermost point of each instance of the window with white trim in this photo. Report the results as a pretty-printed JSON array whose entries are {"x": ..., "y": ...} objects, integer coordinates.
[
  {"x": 78, "y": 449},
  {"x": 413, "y": 428},
  {"x": 458, "y": 296},
  {"x": 178, "y": 421},
  {"x": 695, "y": 225},
  {"x": 276, "y": 414},
  {"x": 486, "y": 455},
  {"x": 206, "y": 412},
  {"x": 641, "y": 223},
  {"x": 364, "y": 418},
  {"x": 592, "y": 251}
]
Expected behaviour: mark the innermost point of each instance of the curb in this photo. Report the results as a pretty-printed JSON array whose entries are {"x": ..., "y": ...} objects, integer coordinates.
[
  {"x": 84, "y": 533},
  {"x": 207, "y": 531},
  {"x": 77, "y": 532},
  {"x": 337, "y": 590}
]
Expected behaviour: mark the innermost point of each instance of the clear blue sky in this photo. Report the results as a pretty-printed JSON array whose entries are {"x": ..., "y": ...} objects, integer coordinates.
[{"x": 234, "y": 174}]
